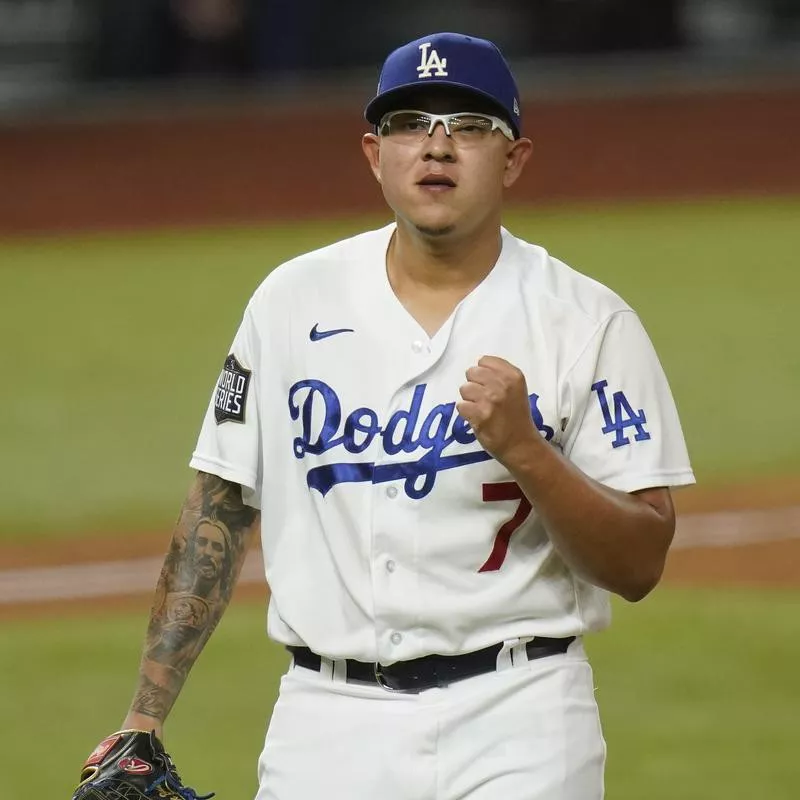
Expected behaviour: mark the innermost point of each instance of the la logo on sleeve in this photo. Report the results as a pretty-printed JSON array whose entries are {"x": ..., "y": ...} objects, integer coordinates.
[{"x": 621, "y": 417}]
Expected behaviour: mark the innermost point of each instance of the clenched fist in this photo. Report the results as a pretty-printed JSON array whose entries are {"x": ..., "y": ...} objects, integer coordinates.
[{"x": 496, "y": 405}]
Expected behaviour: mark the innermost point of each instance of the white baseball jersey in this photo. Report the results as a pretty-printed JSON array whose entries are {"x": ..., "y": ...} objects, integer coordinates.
[{"x": 388, "y": 532}]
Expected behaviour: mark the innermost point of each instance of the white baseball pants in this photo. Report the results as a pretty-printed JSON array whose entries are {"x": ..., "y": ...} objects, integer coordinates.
[{"x": 530, "y": 731}]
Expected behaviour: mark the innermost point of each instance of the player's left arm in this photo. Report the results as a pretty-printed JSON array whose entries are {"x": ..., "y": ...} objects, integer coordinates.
[
  {"x": 616, "y": 538},
  {"x": 613, "y": 539}
]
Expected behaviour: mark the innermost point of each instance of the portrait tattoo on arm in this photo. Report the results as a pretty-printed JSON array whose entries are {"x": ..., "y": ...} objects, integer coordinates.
[{"x": 197, "y": 579}]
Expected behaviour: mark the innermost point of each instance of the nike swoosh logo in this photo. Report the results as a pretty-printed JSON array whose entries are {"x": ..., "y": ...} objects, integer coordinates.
[{"x": 317, "y": 334}]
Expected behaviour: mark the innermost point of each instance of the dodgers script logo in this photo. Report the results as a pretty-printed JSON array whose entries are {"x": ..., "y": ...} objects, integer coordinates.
[{"x": 424, "y": 436}]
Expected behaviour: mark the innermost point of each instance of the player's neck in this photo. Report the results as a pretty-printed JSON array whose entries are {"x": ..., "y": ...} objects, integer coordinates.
[
  {"x": 442, "y": 263},
  {"x": 431, "y": 276}
]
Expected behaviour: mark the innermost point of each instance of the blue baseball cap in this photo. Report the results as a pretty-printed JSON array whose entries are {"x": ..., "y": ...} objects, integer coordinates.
[{"x": 447, "y": 59}]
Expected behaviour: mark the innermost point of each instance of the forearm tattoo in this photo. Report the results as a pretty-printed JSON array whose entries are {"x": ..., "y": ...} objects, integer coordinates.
[{"x": 204, "y": 560}]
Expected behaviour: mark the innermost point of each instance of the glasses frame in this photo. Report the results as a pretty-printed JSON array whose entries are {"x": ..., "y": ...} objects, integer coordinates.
[{"x": 497, "y": 123}]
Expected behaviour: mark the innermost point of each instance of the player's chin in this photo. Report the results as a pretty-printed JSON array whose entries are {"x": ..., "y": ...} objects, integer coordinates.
[
  {"x": 436, "y": 225},
  {"x": 435, "y": 231}
]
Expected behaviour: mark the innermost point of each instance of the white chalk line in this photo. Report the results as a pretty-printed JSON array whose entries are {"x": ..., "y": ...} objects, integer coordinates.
[{"x": 139, "y": 575}]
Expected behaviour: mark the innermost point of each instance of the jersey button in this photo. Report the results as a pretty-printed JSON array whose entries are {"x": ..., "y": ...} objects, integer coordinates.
[
  {"x": 391, "y": 566},
  {"x": 417, "y": 346},
  {"x": 391, "y": 492},
  {"x": 396, "y": 638}
]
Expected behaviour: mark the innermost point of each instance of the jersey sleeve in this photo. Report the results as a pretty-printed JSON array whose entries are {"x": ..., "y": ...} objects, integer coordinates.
[
  {"x": 623, "y": 428},
  {"x": 229, "y": 444}
]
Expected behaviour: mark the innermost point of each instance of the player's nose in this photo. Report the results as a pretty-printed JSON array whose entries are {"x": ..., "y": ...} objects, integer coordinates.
[{"x": 438, "y": 146}]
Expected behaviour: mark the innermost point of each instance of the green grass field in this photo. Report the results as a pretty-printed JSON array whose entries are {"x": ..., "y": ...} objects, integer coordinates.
[
  {"x": 698, "y": 692},
  {"x": 113, "y": 344}
]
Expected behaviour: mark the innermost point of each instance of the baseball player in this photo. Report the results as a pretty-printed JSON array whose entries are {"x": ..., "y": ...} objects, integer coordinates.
[{"x": 455, "y": 448}]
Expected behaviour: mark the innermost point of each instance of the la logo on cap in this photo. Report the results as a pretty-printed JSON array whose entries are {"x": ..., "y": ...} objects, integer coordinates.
[{"x": 430, "y": 62}]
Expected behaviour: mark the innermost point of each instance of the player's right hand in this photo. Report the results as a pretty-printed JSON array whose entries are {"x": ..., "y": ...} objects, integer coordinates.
[{"x": 132, "y": 765}]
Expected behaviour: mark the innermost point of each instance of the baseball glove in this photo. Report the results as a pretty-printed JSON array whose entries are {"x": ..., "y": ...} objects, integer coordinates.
[{"x": 132, "y": 765}]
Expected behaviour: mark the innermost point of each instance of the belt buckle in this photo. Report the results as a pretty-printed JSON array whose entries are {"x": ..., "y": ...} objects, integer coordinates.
[{"x": 380, "y": 679}]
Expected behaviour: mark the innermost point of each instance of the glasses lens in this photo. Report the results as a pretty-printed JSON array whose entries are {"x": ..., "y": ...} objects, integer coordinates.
[
  {"x": 470, "y": 125},
  {"x": 406, "y": 123},
  {"x": 416, "y": 125}
]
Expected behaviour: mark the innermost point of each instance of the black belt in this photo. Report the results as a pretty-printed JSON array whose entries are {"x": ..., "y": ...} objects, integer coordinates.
[{"x": 428, "y": 672}]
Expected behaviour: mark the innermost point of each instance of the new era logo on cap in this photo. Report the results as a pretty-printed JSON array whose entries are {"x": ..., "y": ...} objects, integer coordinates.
[{"x": 447, "y": 59}]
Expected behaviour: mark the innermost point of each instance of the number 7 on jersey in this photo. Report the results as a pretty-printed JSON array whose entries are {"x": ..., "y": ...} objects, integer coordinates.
[{"x": 504, "y": 491}]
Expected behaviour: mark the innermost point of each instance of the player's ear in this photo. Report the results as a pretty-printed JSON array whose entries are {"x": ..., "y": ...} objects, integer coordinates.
[
  {"x": 371, "y": 145},
  {"x": 517, "y": 156}
]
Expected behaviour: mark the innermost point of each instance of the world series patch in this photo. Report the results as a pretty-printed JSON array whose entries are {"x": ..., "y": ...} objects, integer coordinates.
[{"x": 230, "y": 398}]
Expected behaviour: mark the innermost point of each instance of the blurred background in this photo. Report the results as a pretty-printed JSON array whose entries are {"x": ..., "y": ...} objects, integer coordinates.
[
  {"x": 159, "y": 157},
  {"x": 54, "y": 49}
]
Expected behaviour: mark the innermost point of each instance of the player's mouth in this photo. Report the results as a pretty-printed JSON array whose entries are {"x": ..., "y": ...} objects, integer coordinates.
[{"x": 436, "y": 182}]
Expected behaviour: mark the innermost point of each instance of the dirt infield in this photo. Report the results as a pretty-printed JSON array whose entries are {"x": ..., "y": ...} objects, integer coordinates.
[
  {"x": 254, "y": 164},
  {"x": 739, "y": 536}
]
